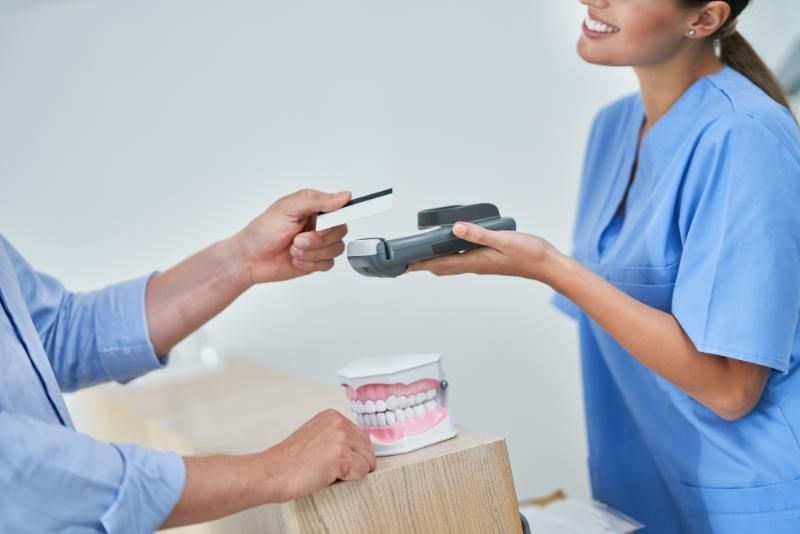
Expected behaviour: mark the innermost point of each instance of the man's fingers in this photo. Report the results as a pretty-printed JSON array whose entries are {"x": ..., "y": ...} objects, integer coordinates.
[
  {"x": 312, "y": 266},
  {"x": 319, "y": 239},
  {"x": 355, "y": 468},
  {"x": 322, "y": 254},
  {"x": 308, "y": 202},
  {"x": 362, "y": 445}
]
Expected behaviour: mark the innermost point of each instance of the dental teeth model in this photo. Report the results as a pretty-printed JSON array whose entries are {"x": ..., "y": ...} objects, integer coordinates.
[{"x": 401, "y": 401}]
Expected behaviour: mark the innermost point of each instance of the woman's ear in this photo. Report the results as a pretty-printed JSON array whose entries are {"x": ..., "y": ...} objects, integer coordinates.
[{"x": 709, "y": 19}]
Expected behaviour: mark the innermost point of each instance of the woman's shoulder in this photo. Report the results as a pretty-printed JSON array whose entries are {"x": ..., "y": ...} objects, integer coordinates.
[
  {"x": 614, "y": 118},
  {"x": 619, "y": 111},
  {"x": 737, "y": 105}
]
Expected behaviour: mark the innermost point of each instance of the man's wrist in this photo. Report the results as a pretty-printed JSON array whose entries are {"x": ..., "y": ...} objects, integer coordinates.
[
  {"x": 237, "y": 265},
  {"x": 267, "y": 476}
]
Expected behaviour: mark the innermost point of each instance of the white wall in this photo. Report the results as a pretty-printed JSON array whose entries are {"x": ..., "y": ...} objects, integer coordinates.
[{"x": 133, "y": 133}]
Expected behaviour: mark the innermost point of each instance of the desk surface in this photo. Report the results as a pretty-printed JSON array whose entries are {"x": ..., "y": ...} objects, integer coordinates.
[{"x": 242, "y": 407}]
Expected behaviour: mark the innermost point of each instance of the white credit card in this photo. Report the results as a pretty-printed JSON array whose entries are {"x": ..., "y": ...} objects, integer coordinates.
[{"x": 357, "y": 208}]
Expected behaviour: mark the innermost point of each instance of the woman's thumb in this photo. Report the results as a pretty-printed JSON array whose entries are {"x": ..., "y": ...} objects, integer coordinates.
[{"x": 476, "y": 234}]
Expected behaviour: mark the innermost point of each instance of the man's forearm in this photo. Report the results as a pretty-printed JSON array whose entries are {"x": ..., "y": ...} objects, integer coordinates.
[
  {"x": 218, "y": 486},
  {"x": 185, "y": 297}
]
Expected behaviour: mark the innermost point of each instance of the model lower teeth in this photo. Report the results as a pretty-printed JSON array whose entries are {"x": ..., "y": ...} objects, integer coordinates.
[{"x": 599, "y": 27}]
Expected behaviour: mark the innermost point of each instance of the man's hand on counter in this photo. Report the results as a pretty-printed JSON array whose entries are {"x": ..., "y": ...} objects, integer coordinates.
[{"x": 327, "y": 448}]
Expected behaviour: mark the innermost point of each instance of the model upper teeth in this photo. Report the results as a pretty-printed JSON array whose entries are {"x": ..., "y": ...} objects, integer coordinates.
[{"x": 600, "y": 27}]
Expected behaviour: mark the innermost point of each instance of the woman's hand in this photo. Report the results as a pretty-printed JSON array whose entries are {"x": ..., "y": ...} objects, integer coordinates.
[
  {"x": 505, "y": 253},
  {"x": 281, "y": 243}
]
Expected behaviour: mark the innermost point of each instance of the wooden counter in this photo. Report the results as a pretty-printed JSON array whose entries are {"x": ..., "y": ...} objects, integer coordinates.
[{"x": 463, "y": 485}]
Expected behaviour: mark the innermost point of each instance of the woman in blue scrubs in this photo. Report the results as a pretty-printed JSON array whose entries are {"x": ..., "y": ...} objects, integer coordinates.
[{"x": 685, "y": 277}]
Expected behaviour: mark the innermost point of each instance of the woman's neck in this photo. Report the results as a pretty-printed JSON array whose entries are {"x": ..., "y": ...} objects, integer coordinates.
[{"x": 663, "y": 84}]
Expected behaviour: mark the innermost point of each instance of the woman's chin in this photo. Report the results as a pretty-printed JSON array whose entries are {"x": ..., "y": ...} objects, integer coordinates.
[{"x": 591, "y": 52}]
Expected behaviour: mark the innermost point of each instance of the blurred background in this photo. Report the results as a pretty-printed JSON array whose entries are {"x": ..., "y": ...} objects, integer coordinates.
[{"x": 135, "y": 133}]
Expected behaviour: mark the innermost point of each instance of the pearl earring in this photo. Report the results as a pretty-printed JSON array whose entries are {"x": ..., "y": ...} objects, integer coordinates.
[{"x": 692, "y": 33}]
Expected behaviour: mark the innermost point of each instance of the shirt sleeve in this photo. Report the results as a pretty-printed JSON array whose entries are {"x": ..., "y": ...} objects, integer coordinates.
[
  {"x": 53, "y": 479},
  {"x": 88, "y": 337},
  {"x": 737, "y": 292}
]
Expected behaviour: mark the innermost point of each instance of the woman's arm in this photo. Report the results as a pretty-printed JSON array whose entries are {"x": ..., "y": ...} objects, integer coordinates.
[
  {"x": 729, "y": 387},
  {"x": 278, "y": 245}
]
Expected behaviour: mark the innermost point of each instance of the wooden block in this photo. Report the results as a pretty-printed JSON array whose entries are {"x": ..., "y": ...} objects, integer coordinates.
[{"x": 463, "y": 485}]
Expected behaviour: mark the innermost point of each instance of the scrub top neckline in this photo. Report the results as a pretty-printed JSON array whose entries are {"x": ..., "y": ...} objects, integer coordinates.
[{"x": 656, "y": 145}]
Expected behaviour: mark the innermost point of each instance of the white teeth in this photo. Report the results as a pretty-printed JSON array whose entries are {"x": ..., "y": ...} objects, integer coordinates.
[
  {"x": 601, "y": 27},
  {"x": 395, "y": 409}
]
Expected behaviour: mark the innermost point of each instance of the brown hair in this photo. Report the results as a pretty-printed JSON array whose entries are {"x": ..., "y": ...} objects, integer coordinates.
[{"x": 736, "y": 51}]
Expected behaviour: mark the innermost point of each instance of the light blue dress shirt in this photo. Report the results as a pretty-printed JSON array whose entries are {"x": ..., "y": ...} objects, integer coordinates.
[
  {"x": 710, "y": 233},
  {"x": 52, "y": 478}
]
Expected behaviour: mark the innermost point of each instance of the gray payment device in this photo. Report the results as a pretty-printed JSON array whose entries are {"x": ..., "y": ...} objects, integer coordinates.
[{"x": 389, "y": 258}]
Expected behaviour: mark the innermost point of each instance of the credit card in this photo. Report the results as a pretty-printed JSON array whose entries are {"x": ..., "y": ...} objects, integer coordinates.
[{"x": 357, "y": 208}]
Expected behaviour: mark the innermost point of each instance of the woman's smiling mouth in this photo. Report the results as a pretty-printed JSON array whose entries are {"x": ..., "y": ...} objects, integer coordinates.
[{"x": 596, "y": 26}]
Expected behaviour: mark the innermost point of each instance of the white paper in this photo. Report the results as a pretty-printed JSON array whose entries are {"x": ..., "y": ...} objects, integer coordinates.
[{"x": 572, "y": 516}]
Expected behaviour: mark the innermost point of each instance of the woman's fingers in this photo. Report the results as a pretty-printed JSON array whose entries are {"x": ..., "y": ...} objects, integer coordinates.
[{"x": 468, "y": 262}]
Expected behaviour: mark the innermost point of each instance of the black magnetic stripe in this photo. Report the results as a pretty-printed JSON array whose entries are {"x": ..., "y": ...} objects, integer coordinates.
[{"x": 367, "y": 198}]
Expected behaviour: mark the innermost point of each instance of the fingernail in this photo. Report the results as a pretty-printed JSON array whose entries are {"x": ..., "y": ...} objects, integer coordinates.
[
  {"x": 460, "y": 228},
  {"x": 302, "y": 241},
  {"x": 294, "y": 251},
  {"x": 342, "y": 194}
]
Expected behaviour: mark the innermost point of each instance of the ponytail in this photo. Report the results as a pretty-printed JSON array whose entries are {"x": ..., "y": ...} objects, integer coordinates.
[{"x": 736, "y": 51}]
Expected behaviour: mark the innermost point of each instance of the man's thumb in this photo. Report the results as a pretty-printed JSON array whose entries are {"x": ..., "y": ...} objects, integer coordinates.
[{"x": 311, "y": 202}]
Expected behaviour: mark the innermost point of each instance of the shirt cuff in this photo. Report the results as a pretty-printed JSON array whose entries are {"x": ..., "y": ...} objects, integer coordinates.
[
  {"x": 152, "y": 484},
  {"x": 123, "y": 340}
]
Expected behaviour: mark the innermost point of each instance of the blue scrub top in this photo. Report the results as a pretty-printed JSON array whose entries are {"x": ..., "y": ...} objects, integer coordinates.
[{"x": 711, "y": 234}]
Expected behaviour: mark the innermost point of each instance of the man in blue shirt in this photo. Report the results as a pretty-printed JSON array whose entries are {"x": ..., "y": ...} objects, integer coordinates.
[{"x": 54, "y": 479}]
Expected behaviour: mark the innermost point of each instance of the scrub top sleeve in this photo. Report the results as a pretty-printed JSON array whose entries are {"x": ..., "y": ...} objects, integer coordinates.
[{"x": 737, "y": 292}]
